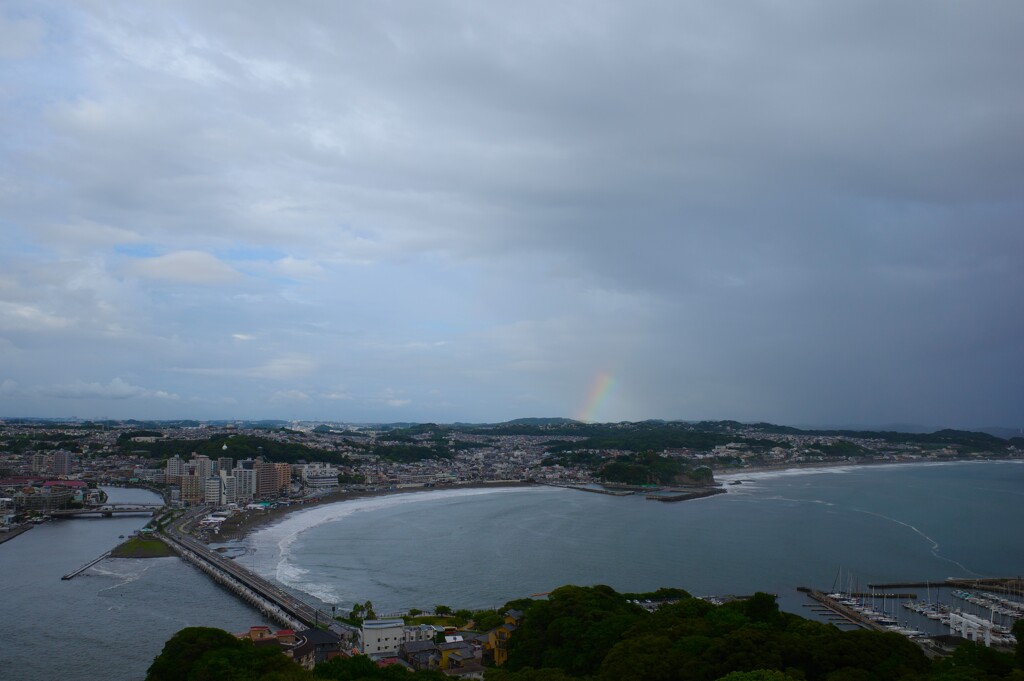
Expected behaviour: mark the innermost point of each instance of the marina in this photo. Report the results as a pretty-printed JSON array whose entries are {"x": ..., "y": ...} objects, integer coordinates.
[{"x": 983, "y": 617}]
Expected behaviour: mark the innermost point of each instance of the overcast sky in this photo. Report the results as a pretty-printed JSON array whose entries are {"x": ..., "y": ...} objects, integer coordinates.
[{"x": 799, "y": 212}]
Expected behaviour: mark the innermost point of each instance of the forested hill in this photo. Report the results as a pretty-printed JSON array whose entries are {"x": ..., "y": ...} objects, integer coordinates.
[{"x": 596, "y": 634}]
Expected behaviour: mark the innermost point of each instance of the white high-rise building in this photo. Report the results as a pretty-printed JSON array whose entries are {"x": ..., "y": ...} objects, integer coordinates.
[
  {"x": 213, "y": 491},
  {"x": 175, "y": 467},
  {"x": 227, "y": 487},
  {"x": 245, "y": 485}
]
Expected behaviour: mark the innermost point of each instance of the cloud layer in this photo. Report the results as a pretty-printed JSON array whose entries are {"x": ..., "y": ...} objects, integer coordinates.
[{"x": 442, "y": 212}]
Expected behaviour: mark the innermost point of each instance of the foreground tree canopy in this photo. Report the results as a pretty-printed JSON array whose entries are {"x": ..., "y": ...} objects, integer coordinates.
[{"x": 597, "y": 634}]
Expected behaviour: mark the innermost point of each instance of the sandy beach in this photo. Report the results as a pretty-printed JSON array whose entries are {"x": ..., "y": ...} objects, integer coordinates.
[{"x": 241, "y": 524}]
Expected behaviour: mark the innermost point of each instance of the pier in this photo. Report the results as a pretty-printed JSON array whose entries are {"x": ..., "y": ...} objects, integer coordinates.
[
  {"x": 1009, "y": 585},
  {"x": 848, "y": 614},
  {"x": 72, "y": 575}
]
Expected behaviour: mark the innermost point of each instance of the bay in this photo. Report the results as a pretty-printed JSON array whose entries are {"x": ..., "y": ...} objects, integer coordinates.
[{"x": 773, "y": 532}]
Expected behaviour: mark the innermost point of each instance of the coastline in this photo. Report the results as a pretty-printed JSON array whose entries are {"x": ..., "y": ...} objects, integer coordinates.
[
  {"x": 737, "y": 473},
  {"x": 240, "y": 525}
]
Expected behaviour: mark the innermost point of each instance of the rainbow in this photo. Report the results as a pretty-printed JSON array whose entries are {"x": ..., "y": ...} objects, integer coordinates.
[{"x": 599, "y": 390}]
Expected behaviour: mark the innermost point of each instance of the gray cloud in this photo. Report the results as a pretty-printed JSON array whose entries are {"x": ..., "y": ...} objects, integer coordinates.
[{"x": 799, "y": 214}]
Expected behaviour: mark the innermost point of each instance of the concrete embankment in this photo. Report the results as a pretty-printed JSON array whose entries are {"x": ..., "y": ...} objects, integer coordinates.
[{"x": 11, "y": 534}]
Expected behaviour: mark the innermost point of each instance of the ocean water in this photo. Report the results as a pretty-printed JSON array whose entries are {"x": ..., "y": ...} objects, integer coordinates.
[{"x": 773, "y": 532}]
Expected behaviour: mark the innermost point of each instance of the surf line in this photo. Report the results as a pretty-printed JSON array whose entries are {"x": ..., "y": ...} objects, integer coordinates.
[{"x": 935, "y": 544}]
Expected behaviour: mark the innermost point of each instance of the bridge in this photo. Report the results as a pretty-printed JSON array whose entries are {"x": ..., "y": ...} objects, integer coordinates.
[
  {"x": 240, "y": 580},
  {"x": 107, "y": 510}
]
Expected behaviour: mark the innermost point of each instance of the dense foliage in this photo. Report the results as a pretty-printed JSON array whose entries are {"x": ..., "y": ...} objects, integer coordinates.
[
  {"x": 238, "y": 447},
  {"x": 595, "y": 633},
  {"x": 650, "y": 468}
]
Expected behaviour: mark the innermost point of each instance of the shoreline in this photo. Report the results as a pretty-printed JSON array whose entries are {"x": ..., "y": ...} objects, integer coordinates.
[
  {"x": 737, "y": 473},
  {"x": 239, "y": 526}
]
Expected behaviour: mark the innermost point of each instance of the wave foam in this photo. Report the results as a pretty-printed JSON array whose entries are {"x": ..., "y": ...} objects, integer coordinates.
[{"x": 282, "y": 534}]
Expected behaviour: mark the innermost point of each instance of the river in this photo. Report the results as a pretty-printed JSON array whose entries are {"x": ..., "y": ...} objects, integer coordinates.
[{"x": 109, "y": 622}]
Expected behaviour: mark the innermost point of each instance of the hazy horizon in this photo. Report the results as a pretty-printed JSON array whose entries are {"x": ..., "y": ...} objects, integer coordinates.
[{"x": 391, "y": 212}]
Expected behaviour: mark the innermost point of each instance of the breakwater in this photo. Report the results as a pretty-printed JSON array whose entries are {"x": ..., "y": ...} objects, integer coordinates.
[
  {"x": 75, "y": 573},
  {"x": 686, "y": 496}
]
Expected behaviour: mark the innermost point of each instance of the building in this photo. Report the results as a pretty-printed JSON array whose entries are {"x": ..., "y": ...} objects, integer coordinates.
[
  {"x": 306, "y": 648},
  {"x": 40, "y": 463},
  {"x": 266, "y": 480},
  {"x": 62, "y": 463},
  {"x": 175, "y": 468},
  {"x": 212, "y": 491},
  {"x": 382, "y": 636},
  {"x": 245, "y": 485},
  {"x": 225, "y": 463},
  {"x": 498, "y": 638},
  {"x": 202, "y": 465},
  {"x": 320, "y": 476},
  {"x": 192, "y": 489},
  {"x": 228, "y": 488}
]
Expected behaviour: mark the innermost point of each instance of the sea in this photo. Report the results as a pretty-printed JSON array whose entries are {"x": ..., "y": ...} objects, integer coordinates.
[{"x": 827, "y": 528}]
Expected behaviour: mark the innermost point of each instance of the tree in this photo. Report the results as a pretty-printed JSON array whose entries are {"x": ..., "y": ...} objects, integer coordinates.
[
  {"x": 185, "y": 649},
  {"x": 442, "y": 610},
  {"x": 757, "y": 675}
]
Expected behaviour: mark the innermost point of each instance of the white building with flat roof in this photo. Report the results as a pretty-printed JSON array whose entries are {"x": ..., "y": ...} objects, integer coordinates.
[{"x": 382, "y": 636}]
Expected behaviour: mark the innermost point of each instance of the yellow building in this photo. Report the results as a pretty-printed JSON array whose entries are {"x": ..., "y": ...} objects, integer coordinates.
[{"x": 498, "y": 638}]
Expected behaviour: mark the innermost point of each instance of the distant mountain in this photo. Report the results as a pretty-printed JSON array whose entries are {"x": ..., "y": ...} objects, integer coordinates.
[
  {"x": 1000, "y": 431},
  {"x": 540, "y": 422},
  {"x": 876, "y": 428}
]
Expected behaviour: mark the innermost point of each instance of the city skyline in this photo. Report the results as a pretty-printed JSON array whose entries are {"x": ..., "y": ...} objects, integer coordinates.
[{"x": 604, "y": 211}]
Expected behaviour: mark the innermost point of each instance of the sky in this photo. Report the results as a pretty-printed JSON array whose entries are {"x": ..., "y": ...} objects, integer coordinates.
[{"x": 797, "y": 212}]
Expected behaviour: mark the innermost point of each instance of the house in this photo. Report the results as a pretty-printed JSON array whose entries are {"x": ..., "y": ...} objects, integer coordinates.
[
  {"x": 306, "y": 648},
  {"x": 420, "y": 654},
  {"x": 498, "y": 638},
  {"x": 461, "y": 659}
]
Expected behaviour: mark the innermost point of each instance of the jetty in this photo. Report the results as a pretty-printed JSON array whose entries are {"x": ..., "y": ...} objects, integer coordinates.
[
  {"x": 687, "y": 495},
  {"x": 844, "y": 612},
  {"x": 609, "y": 492},
  {"x": 1009, "y": 585},
  {"x": 72, "y": 575}
]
